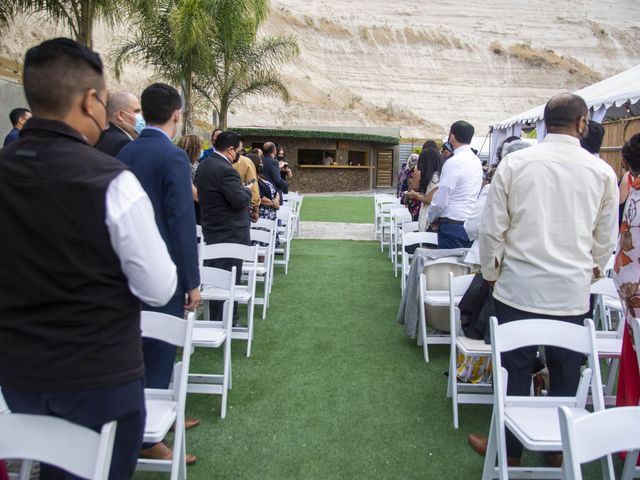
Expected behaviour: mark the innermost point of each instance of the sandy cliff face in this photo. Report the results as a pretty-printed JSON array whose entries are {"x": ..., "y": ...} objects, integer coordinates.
[{"x": 420, "y": 65}]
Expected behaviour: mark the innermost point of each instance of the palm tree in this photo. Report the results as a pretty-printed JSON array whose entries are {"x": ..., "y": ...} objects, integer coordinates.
[
  {"x": 240, "y": 63},
  {"x": 173, "y": 42},
  {"x": 79, "y": 15}
]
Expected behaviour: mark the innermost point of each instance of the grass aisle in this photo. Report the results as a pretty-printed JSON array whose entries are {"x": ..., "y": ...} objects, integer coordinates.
[{"x": 333, "y": 389}]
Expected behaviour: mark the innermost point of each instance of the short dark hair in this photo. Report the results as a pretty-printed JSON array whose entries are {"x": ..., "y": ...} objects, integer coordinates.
[
  {"x": 16, "y": 114},
  {"x": 58, "y": 70},
  {"x": 564, "y": 110},
  {"x": 463, "y": 131},
  {"x": 269, "y": 148},
  {"x": 227, "y": 139},
  {"x": 255, "y": 158},
  {"x": 159, "y": 101},
  {"x": 593, "y": 142},
  {"x": 631, "y": 153},
  {"x": 214, "y": 132}
]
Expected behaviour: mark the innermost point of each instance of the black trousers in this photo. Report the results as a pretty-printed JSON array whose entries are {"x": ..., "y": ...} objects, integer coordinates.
[
  {"x": 563, "y": 365},
  {"x": 224, "y": 264},
  {"x": 92, "y": 409}
]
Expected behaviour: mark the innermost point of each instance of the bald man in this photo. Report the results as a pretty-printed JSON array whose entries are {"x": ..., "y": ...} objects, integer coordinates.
[{"x": 125, "y": 122}]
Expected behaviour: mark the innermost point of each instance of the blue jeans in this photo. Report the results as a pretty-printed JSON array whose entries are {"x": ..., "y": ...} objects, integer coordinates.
[{"x": 452, "y": 235}]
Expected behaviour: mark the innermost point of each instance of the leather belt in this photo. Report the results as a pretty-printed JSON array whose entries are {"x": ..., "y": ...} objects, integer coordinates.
[{"x": 448, "y": 220}]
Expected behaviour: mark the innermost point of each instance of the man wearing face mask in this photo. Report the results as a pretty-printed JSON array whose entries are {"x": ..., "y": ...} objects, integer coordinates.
[
  {"x": 165, "y": 173},
  {"x": 77, "y": 265},
  {"x": 125, "y": 122},
  {"x": 548, "y": 229},
  {"x": 224, "y": 200}
]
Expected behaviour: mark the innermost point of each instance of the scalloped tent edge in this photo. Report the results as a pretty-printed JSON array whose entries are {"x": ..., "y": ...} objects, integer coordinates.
[{"x": 617, "y": 91}]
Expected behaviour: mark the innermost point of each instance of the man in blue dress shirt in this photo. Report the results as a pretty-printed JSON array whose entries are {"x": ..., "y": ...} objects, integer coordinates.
[{"x": 18, "y": 117}]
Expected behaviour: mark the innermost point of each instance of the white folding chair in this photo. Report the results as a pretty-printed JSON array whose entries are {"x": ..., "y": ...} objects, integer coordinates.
[
  {"x": 378, "y": 200},
  {"x": 609, "y": 342},
  {"x": 285, "y": 232},
  {"x": 263, "y": 268},
  {"x": 406, "y": 226},
  {"x": 461, "y": 392},
  {"x": 590, "y": 437},
  {"x": 69, "y": 446},
  {"x": 166, "y": 407},
  {"x": 434, "y": 300},
  {"x": 294, "y": 200},
  {"x": 211, "y": 334},
  {"x": 411, "y": 239},
  {"x": 244, "y": 294},
  {"x": 385, "y": 221},
  {"x": 272, "y": 227},
  {"x": 399, "y": 216},
  {"x": 534, "y": 420},
  {"x": 200, "y": 238}
]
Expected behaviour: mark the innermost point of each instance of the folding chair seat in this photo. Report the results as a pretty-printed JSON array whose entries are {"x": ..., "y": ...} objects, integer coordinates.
[
  {"x": 262, "y": 268},
  {"x": 590, "y": 437},
  {"x": 71, "y": 447},
  {"x": 166, "y": 407},
  {"x": 534, "y": 420},
  {"x": 416, "y": 239},
  {"x": 244, "y": 294},
  {"x": 211, "y": 334},
  {"x": 434, "y": 301},
  {"x": 462, "y": 392},
  {"x": 285, "y": 232}
]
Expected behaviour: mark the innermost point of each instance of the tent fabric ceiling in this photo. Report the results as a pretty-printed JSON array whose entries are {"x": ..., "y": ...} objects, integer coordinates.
[{"x": 613, "y": 91}]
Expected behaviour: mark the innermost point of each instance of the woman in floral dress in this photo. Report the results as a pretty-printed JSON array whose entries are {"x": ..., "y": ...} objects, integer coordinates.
[{"x": 627, "y": 277}]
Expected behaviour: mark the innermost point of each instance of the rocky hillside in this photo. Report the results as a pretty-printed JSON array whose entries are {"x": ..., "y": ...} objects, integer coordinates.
[{"x": 422, "y": 64}]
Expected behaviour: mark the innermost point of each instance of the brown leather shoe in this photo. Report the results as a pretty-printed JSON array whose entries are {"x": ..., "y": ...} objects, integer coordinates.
[
  {"x": 478, "y": 444},
  {"x": 553, "y": 459},
  {"x": 160, "y": 451},
  {"x": 188, "y": 424}
]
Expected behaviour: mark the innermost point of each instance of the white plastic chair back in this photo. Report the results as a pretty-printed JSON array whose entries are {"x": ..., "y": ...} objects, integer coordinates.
[
  {"x": 171, "y": 407},
  {"x": 593, "y": 436},
  {"x": 536, "y": 332},
  {"x": 71, "y": 447}
]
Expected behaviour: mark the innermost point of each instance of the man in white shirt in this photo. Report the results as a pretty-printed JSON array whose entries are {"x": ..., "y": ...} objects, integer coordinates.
[
  {"x": 458, "y": 189},
  {"x": 548, "y": 229}
]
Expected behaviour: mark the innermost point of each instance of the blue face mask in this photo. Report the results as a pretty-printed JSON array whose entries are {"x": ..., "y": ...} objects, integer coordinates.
[{"x": 140, "y": 123}]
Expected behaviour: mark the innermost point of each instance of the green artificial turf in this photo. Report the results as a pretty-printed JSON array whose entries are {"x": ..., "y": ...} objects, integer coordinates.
[
  {"x": 333, "y": 389},
  {"x": 337, "y": 209}
]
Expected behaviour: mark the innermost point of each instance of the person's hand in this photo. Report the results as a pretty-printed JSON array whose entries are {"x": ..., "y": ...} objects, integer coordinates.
[
  {"x": 434, "y": 226},
  {"x": 193, "y": 299},
  {"x": 276, "y": 204}
]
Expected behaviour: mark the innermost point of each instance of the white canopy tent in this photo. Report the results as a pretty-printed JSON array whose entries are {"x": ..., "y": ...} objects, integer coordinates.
[{"x": 614, "y": 97}]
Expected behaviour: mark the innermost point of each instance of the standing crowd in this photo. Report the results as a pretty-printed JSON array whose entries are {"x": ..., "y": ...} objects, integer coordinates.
[{"x": 102, "y": 207}]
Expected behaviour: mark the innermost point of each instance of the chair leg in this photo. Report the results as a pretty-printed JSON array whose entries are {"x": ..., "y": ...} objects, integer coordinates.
[
  {"x": 226, "y": 377},
  {"x": 629, "y": 470},
  {"x": 422, "y": 327},
  {"x": 489, "y": 468},
  {"x": 179, "y": 465}
]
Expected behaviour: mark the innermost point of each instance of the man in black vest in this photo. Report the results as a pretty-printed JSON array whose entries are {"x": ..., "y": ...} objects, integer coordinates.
[{"x": 80, "y": 250}]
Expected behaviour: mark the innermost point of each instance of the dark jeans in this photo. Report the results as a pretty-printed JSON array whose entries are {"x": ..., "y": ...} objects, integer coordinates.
[
  {"x": 563, "y": 365},
  {"x": 452, "y": 235},
  {"x": 224, "y": 264},
  {"x": 92, "y": 409}
]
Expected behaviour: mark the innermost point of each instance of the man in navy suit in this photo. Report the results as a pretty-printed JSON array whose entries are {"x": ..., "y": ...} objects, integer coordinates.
[
  {"x": 165, "y": 174},
  {"x": 271, "y": 168}
]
